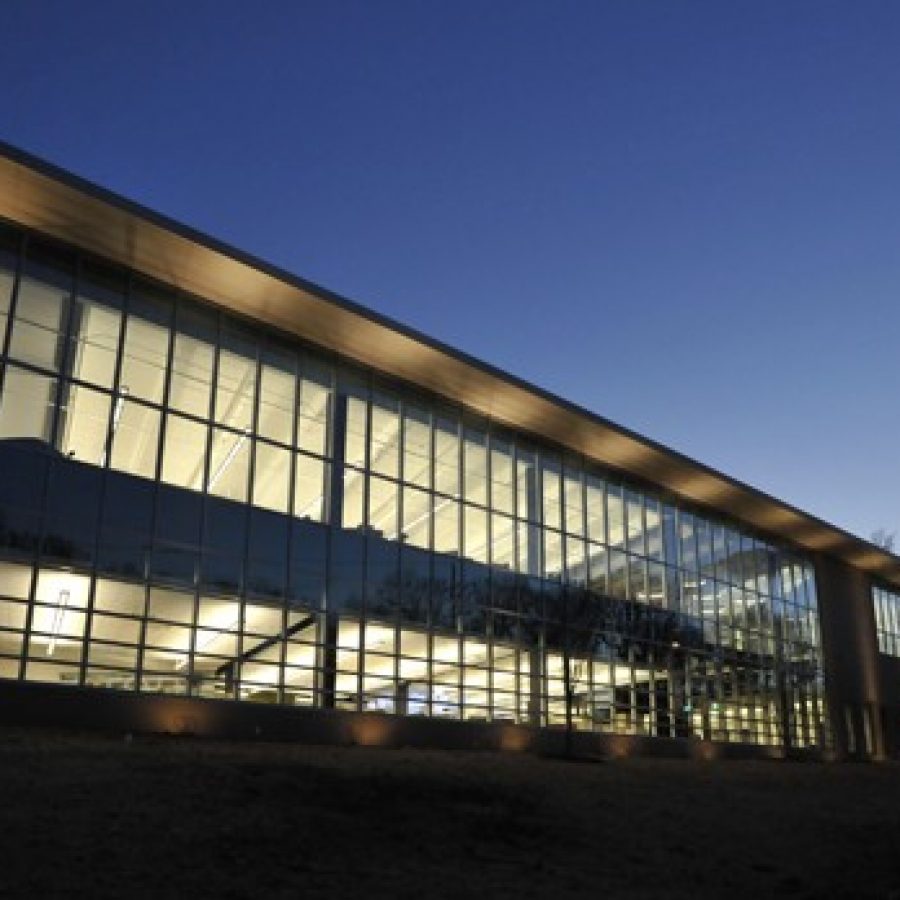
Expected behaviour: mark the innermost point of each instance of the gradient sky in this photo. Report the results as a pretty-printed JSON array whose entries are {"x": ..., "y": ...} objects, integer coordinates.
[{"x": 684, "y": 216}]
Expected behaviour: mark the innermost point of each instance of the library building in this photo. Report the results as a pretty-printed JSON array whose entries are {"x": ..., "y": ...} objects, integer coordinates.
[{"x": 233, "y": 503}]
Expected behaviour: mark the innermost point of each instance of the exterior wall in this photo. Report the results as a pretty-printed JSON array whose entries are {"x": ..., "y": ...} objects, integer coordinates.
[
  {"x": 889, "y": 680},
  {"x": 856, "y": 674},
  {"x": 39, "y": 705}
]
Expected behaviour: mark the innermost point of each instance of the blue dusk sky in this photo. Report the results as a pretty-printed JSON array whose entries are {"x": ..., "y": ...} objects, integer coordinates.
[{"x": 684, "y": 216}]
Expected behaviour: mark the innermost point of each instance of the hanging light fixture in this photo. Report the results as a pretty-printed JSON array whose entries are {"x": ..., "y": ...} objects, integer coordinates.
[
  {"x": 116, "y": 418},
  {"x": 62, "y": 603},
  {"x": 229, "y": 457}
]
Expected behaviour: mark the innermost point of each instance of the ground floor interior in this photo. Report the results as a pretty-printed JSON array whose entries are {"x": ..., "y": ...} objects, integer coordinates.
[{"x": 67, "y": 628}]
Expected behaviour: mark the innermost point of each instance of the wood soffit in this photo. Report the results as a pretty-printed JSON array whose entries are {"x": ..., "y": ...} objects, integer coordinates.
[{"x": 56, "y": 203}]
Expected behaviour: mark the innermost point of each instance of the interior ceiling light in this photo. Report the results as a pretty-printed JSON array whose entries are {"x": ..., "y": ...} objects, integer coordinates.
[
  {"x": 117, "y": 417},
  {"x": 229, "y": 457},
  {"x": 62, "y": 602}
]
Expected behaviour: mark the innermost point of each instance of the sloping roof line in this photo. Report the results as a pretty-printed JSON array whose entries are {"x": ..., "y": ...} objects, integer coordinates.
[{"x": 50, "y": 200}]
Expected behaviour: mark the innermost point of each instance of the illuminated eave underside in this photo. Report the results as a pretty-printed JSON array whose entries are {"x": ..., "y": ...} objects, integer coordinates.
[{"x": 51, "y": 201}]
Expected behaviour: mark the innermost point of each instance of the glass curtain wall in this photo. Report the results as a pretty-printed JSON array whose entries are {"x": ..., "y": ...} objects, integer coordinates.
[
  {"x": 191, "y": 505},
  {"x": 887, "y": 620}
]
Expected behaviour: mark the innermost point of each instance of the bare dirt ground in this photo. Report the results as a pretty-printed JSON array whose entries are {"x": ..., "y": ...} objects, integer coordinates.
[{"x": 99, "y": 816}]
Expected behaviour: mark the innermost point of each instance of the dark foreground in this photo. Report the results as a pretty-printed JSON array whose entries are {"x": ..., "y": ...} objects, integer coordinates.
[{"x": 89, "y": 816}]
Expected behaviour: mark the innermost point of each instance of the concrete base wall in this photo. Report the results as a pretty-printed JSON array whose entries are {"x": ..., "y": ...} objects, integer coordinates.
[
  {"x": 863, "y": 686},
  {"x": 83, "y": 708}
]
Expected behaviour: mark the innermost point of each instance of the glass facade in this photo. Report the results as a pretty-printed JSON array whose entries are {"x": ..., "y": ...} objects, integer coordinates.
[
  {"x": 194, "y": 505},
  {"x": 887, "y": 620}
]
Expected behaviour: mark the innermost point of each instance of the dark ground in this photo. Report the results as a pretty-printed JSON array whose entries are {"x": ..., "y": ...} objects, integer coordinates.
[{"x": 93, "y": 816}]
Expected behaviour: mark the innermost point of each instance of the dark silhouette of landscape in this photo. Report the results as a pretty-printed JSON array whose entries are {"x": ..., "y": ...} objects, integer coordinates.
[{"x": 112, "y": 816}]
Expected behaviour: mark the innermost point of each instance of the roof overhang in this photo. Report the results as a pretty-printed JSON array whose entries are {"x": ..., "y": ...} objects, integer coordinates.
[{"x": 49, "y": 200}]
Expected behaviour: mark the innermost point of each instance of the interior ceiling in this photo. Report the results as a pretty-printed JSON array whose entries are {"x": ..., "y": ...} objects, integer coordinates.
[{"x": 49, "y": 200}]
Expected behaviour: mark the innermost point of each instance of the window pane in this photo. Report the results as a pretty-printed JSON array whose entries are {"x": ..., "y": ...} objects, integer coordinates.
[
  {"x": 276, "y": 395},
  {"x": 385, "y": 436},
  {"x": 502, "y": 542},
  {"x": 574, "y": 502},
  {"x": 502, "y": 480},
  {"x": 26, "y": 408},
  {"x": 354, "y": 494},
  {"x": 598, "y": 563},
  {"x": 355, "y": 443},
  {"x": 687, "y": 540},
  {"x": 703, "y": 532},
  {"x": 576, "y": 566},
  {"x": 446, "y": 525},
  {"x": 271, "y": 477},
  {"x": 309, "y": 488},
  {"x": 416, "y": 517},
  {"x": 62, "y": 599},
  {"x": 96, "y": 323},
  {"x": 146, "y": 345},
  {"x": 171, "y": 606},
  {"x": 617, "y": 576},
  {"x": 615, "y": 516},
  {"x": 635, "y": 514},
  {"x": 383, "y": 507},
  {"x": 550, "y": 480},
  {"x": 84, "y": 417},
  {"x": 41, "y": 310},
  {"x": 446, "y": 457},
  {"x": 192, "y": 361},
  {"x": 416, "y": 447},
  {"x": 229, "y": 464},
  {"x": 553, "y": 555},
  {"x": 670, "y": 535},
  {"x": 119, "y": 597},
  {"x": 236, "y": 380},
  {"x": 475, "y": 537},
  {"x": 184, "y": 453},
  {"x": 15, "y": 581},
  {"x": 596, "y": 510},
  {"x": 656, "y": 585},
  {"x": 313, "y": 404},
  {"x": 653, "y": 522},
  {"x": 475, "y": 466},
  {"x": 135, "y": 438},
  {"x": 528, "y": 549},
  {"x": 527, "y": 506},
  {"x": 720, "y": 553}
]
